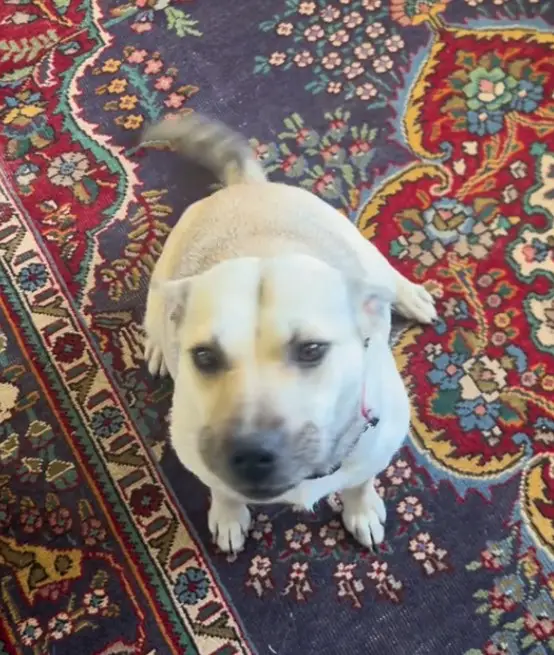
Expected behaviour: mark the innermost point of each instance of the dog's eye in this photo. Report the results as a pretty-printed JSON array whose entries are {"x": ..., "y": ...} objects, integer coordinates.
[
  {"x": 309, "y": 353},
  {"x": 208, "y": 359}
]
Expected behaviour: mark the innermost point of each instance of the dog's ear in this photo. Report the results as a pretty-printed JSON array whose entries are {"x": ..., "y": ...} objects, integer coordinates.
[
  {"x": 372, "y": 306},
  {"x": 175, "y": 294}
]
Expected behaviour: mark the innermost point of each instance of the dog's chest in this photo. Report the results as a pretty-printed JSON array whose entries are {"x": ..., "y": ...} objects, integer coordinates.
[{"x": 310, "y": 491}]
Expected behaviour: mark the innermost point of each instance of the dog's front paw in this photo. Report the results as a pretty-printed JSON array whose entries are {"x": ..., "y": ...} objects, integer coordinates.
[
  {"x": 229, "y": 522},
  {"x": 416, "y": 303},
  {"x": 154, "y": 358},
  {"x": 364, "y": 515}
]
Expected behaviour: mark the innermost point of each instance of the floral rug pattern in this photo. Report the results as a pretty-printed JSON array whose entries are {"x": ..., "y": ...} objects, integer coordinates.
[{"x": 430, "y": 125}]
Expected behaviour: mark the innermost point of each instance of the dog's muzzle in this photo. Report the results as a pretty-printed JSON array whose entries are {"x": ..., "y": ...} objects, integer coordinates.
[{"x": 254, "y": 463}]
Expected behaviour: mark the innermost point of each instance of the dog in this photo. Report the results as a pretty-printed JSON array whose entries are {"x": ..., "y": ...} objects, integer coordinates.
[{"x": 272, "y": 314}]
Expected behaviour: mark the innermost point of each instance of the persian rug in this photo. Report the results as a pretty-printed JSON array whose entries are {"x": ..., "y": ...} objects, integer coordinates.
[{"x": 430, "y": 125}]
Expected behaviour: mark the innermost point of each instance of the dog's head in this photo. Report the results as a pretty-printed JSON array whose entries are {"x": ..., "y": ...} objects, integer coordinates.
[{"x": 270, "y": 371}]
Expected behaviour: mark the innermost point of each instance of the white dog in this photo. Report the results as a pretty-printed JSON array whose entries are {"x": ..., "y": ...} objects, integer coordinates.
[{"x": 272, "y": 315}]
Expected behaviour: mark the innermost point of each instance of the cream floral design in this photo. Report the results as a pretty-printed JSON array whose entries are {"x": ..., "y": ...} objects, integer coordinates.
[
  {"x": 9, "y": 394},
  {"x": 484, "y": 378},
  {"x": 69, "y": 168},
  {"x": 3, "y": 341}
]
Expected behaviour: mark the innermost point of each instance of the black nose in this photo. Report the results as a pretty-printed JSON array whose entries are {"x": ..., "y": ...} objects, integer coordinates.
[{"x": 253, "y": 464}]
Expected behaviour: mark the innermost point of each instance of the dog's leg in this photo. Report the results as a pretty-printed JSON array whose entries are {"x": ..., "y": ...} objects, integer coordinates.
[
  {"x": 229, "y": 522},
  {"x": 414, "y": 301},
  {"x": 364, "y": 514},
  {"x": 364, "y": 511},
  {"x": 156, "y": 310},
  {"x": 153, "y": 328}
]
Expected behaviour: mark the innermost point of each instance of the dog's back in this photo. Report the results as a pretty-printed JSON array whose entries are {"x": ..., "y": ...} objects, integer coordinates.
[{"x": 251, "y": 216}]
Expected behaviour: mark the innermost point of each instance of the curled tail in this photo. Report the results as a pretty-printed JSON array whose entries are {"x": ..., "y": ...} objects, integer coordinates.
[{"x": 211, "y": 144}]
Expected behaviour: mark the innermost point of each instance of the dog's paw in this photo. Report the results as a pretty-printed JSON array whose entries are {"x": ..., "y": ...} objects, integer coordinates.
[
  {"x": 364, "y": 516},
  {"x": 416, "y": 303},
  {"x": 154, "y": 358},
  {"x": 229, "y": 523}
]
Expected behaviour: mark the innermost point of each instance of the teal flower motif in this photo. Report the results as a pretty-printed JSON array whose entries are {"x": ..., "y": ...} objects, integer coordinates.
[
  {"x": 448, "y": 371},
  {"x": 485, "y": 122},
  {"x": 491, "y": 90},
  {"x": 539, "y": 618},
  {"x": 447, "y": 219},
  {"x": 512, "y": 587},
  {"x": 107, "y": 422},
  {"x": 30, "y": 631},
  {"x": 32, "y": 277},
  {"x": 26, "y": 174},
  {"x": 192, "y": 586},
  {"x": 497, "y": 555},
  {"x": 527, "y": 97},
  {"x": 477, "y": 414},
  {"x": 503, "y": 643}
]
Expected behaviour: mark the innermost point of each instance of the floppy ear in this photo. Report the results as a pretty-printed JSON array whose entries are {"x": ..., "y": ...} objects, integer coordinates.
[
  {"x": 372, "y": 307},
  {"x": 175, "y": 294}
]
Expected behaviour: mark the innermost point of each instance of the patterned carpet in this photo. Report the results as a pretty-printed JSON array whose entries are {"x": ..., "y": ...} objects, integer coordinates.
[{"x": 428, "y": 123}]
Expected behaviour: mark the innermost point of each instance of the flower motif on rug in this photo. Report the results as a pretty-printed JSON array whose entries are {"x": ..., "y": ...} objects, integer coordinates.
[
  {"x": 142, "y": 15},
  {"x": 357, "y": 572},
  {"x": 415, "y": 12},
  {"x": 532, "y": 253},
  {"x": 140, "y": 88},
  {"x": 520, "y": 600},
  {"x": 345, "y": 47},
  {"x": 74, "y": 523},
  {"x": 446, "y": 220},
  {"x": 83, "y": 612},
  {"x": 24, "y": 123},
  {"x": 487, "y": 92},
  {"x": 471, "y": 217},
  {"x": 334, "y": 164},
  {"x": 55, "y": 161},
  {"x": 483, "y": 189},
  {"x": 145, "y": 241}
]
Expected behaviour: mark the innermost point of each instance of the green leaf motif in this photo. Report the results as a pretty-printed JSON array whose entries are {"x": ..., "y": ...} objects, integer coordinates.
[
  {"x": 181, "y": 23},
  {"x": 86, "y": 191},
  {"x": 528, "y": 641},
  {"x": 481, "y": 594},
  {"x": 516, "y": 625},
  {"x": 47, "y": 132},
  {"x": 261, "y": 65},
  {"x": 18, "y": 148},
  {"x": 509, "y": 415},
  {"x": 460, "y": 345},
  {"x": 15, "y": 76},
  {"x": 348, "y": 175},
  {"x": 26, "y": 49},
  {"x": 445, "y": 403},
  {"x": 495, "y": 617},
  {"x": 396, "y": 248},
  {"x": 62, "y": 6},
  {"x": 516, "y": 404}
]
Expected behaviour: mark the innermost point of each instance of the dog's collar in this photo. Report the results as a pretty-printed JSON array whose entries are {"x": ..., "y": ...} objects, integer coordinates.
[{"x": 371, "y": 422}]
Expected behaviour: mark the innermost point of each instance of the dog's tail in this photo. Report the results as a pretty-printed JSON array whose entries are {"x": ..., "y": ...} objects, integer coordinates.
[{"x": 211, "y": 144}]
